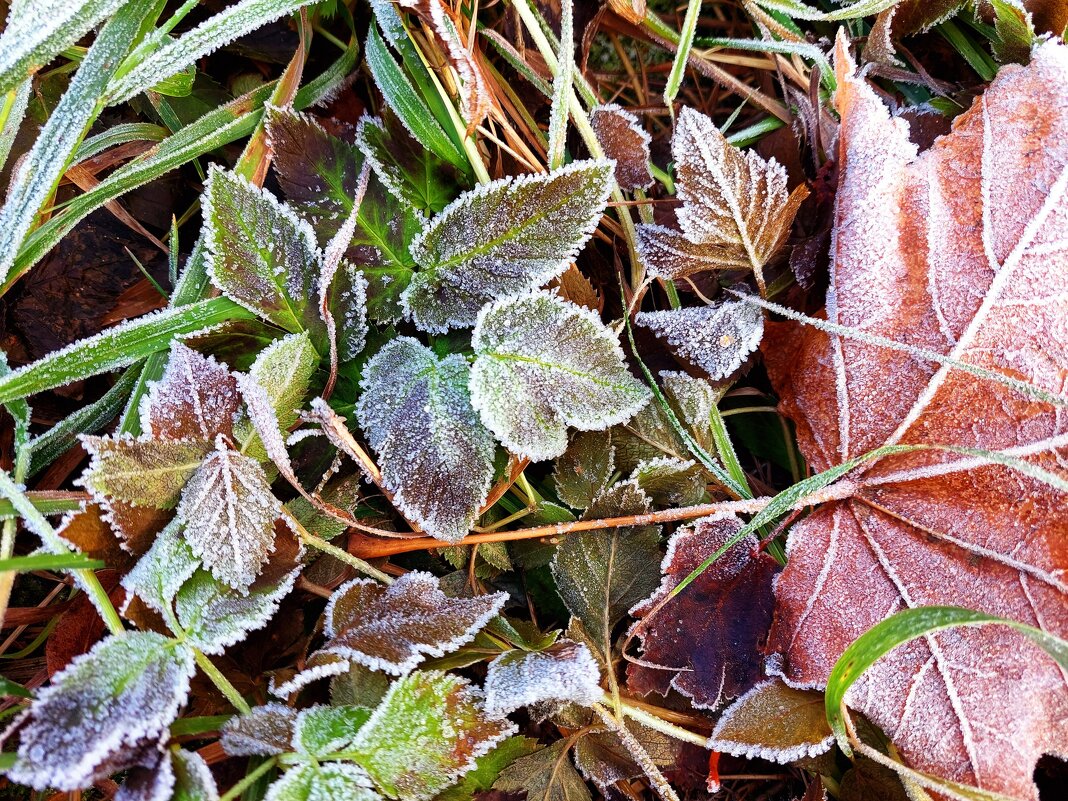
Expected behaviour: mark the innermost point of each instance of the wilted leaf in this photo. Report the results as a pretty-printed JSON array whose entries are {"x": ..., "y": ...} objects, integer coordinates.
[
  {"x": 671, "y": 482},
  {"x": 264, "y": 731},
  {"x": 969, "y": 263},
  {"x": 603, "y": 758},
  {"x": 322, "y": 730},
  {"x": 735, "y": 213},
  {"x": 195, "y": 399},
  {"x": 427, "y": 732},
  {"x": 545, "y": 775},
  {"x": 503, "y": 238},
  {"x": 143, "y": 472},
  {"x": 544, "y": 364},
  {"x": 564, "y": 672},
  {"x": 329, "y": 780},
  {"x": 436, "y": 456},
  {"x": 706, "y": 639},
  {"x": 261, "y": 254},
  {"x": 624, "y": 141},
  {"x": 229, "y": 512},
  {"x": 394, "y": 628},
  {"x": 776, "y": 722},
  {"x": 601, "y": 574},
  {"x": 583, "y": 470},
  {"x": 717, "y": 338},
  {"x": 101, "y": 713}
]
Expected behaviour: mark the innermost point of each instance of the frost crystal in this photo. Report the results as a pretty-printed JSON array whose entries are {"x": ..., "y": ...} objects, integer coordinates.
[
  {"x": 435, "y": 454},
  {"x": 625, "y": 141},
  {"x": 427, "y": 732},
  {"x": 265, "y": 731},
  {"x": 261, "y": 254},
  {"x": 716, "y": 338},
  {"x": 393, "y": 629},
  {"x": 330, "y": 781},
  {"x": 195, "y": 399},
  {"x": 229, "y": 513},
  {"x": 544, "y": 364},
  {"x": 346, "y": 299},
  {"x": 142, "y": 472},
  {"x": 160, "y": 573},
  {"x": 565, "y": 672},
  {"x": 101, "y": 712},
  {"x": 503, "y": 238}
]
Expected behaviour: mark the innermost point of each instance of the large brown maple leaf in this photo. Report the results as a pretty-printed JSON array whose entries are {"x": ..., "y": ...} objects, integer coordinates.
[{"x": 962, "y": 250}]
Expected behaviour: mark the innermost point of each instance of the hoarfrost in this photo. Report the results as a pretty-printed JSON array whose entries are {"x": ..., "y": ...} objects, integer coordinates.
[
  {"x": 625, "y": 141},
  {"x": 196, "y": 398},
  {"x": 565, "y": 672},
  {"x": 265, "y": 731}
]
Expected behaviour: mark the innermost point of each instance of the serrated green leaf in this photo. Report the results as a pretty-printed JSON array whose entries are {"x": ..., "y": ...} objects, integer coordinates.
[
  {"x": 436, "y": 456},
  {"x": 487, "y": 768},
  {"x": 321, "y": 730},
  {"x": 503, "y": 238},
  {"x": 100, "y": 710},
  {"x": 427, "y": 732},
  {"x": 193, "y": 779},
  {"x": 144, "y": 472},
  {"x": 566, "y": 672},
  {"x": 331, "y": 780},
  {"x": 583, "y": 470},
  {"x": 162, "y": 570},
  {"x": 544, "y": 364},
  {"x": 260, "y": 254}
]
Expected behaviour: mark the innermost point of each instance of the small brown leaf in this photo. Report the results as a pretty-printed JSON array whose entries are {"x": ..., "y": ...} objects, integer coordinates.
[
  {"x": 623, "y": 139},
  {"x": 195, "y": 399},
  {"x": 706, "y": 639}
]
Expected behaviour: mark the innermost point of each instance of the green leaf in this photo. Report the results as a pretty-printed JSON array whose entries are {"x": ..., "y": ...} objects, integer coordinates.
[
  {"x": 260, "y": 253},
  {"x": 321, "y": 730},
  {"x": 314, "y": 782},
  {"x": 427, "y": 732},
  {"x": 776, "y": 722},
  {"x": 545, "y": 775},
  {"x": 583, "y": 470},
  {"x": 407, "y": 169},
  {"x": 229, "y": 512},
  {"x": 144, "y": 472},
  {"x": 601, "y": 574},
  {"x": 48, "y": 561},
  {"x": 101, "y": 710},
  {"x": 670, "y": 481},
  {"x": 487, "y": 768},
  {"x": 162, "y": 570},
  {"x": 117, "y": 347},
  {"x": 544, "y": 364},
  {"x": 436, "y": 456},
  {"x": 503, "y": 238},
  {"x": 1014, "y": 29}
]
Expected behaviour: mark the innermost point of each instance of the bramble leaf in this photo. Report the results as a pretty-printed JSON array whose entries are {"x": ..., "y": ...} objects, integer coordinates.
[
  {"x": 564, "y": 672},
  {"x": 624, "y": 141},
  {"x": 602, "y": 757},
  {"x": 707, "y": 638},
  {"x": 162, "y": 570},
  {"x": 104, "y": 712},
  {"x": 583, "y": 470},
  {"x": 544, "y": 364},
  {"x": 436, "y": 456},
  {"x": 670, "y": 481},
  {"x": 601, "y": 574},
  {"x": 693, "y": 398},
  {"x": 503, "y": 238},
  {"x": 142, "y": 472},
  {"x": 321, "y": 730},
  {"x": 394, "y": 628},
  {"x": 196, "y": 398},
  {"x": 346, "y": 299},
  {"x": 264, "y": 731},
  {"x": 774, "y": 721},
  {"x": 318, "y": 782},
  {"x": 260, "y": 254},
  {"x": 487, "y": 768},
  {"x": 545, "y": 775},
  {"x": 717, "y": 338},
  {"x": 229, "y": 511},
  {"x": 427, "y": 732}
]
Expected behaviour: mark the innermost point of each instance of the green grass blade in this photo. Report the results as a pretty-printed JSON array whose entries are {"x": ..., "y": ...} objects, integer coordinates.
[
  {"x": 118, "y": 347},
  {"x": 798, "y": 10},
  {"x": 50, "y": 561},
  {"x": 11, "y": 114},
  {"x": 47, "y": 503},
  {"x": 682, "y": 54},
  {"x": 118, "y": 135}
]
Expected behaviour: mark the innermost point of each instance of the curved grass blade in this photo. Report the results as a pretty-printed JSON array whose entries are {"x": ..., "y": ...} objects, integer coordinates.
[
  {"x": 682, "y": 54},
  {"x": 50, "y": 561}
]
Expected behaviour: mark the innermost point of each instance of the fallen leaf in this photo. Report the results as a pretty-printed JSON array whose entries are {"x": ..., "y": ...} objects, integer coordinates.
[
  {"x": 958, "y": 250},
  {"x": 706, "y": 639},
  {"x": 624, "y": 141},
  {"x": 545, "y": 775},
  {"x": 195, "y": 399}
]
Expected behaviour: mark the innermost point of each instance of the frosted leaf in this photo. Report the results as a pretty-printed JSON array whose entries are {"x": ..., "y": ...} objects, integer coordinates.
[
  {"x": 359, "y": 686},
  {"x": 215, "y": 616},
  {"x": 583, "y": 470},
  {"x": 265, "y": 731},
  {"x": 488, "y": 767},
  {"x": 144, "y": 472},
  {"x": 717, "y": 338},
  {"x": 329, "y": 781},
  {"x": 260, "y": 254},
  {"x": 229, "y": 513},
  {"x": 394, "y": 628},
  {"x": 196, "y": 398},
  {"x": 320, "y": 665},
  {"x": 283, "y": 371},
  {"x": 670, "y": 481},
  {"x": 732, "y": 200},
  {"x": 322, "y": 730},
  {"x": 436, "y": 456},
  {"x": 347, "y": 303},
  {"x": 544, "y": 364},
  {"x": 602, "y": 757},
  {"x": 193, "y": 778},
  {"x": 100, "y": 711},
  {"x": 693, "y": 398},
  {"x": 407, "y": 169},
  {"x": 601, "y": 574},
  {"x": 776, "y": 722},
  {"x": 147, "y": 781},
  {"x": 669, "y": 254},
  {"x": 647, "y": 435},
  {"x": 623, "y": 140},
  {"x": 545, "y": 775},
  {"x": 427, "y": 733},
  {"x": 503, "y": 238},
  {"x": 160, "y": 573},
  {"x": 565, "y": 672}
]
